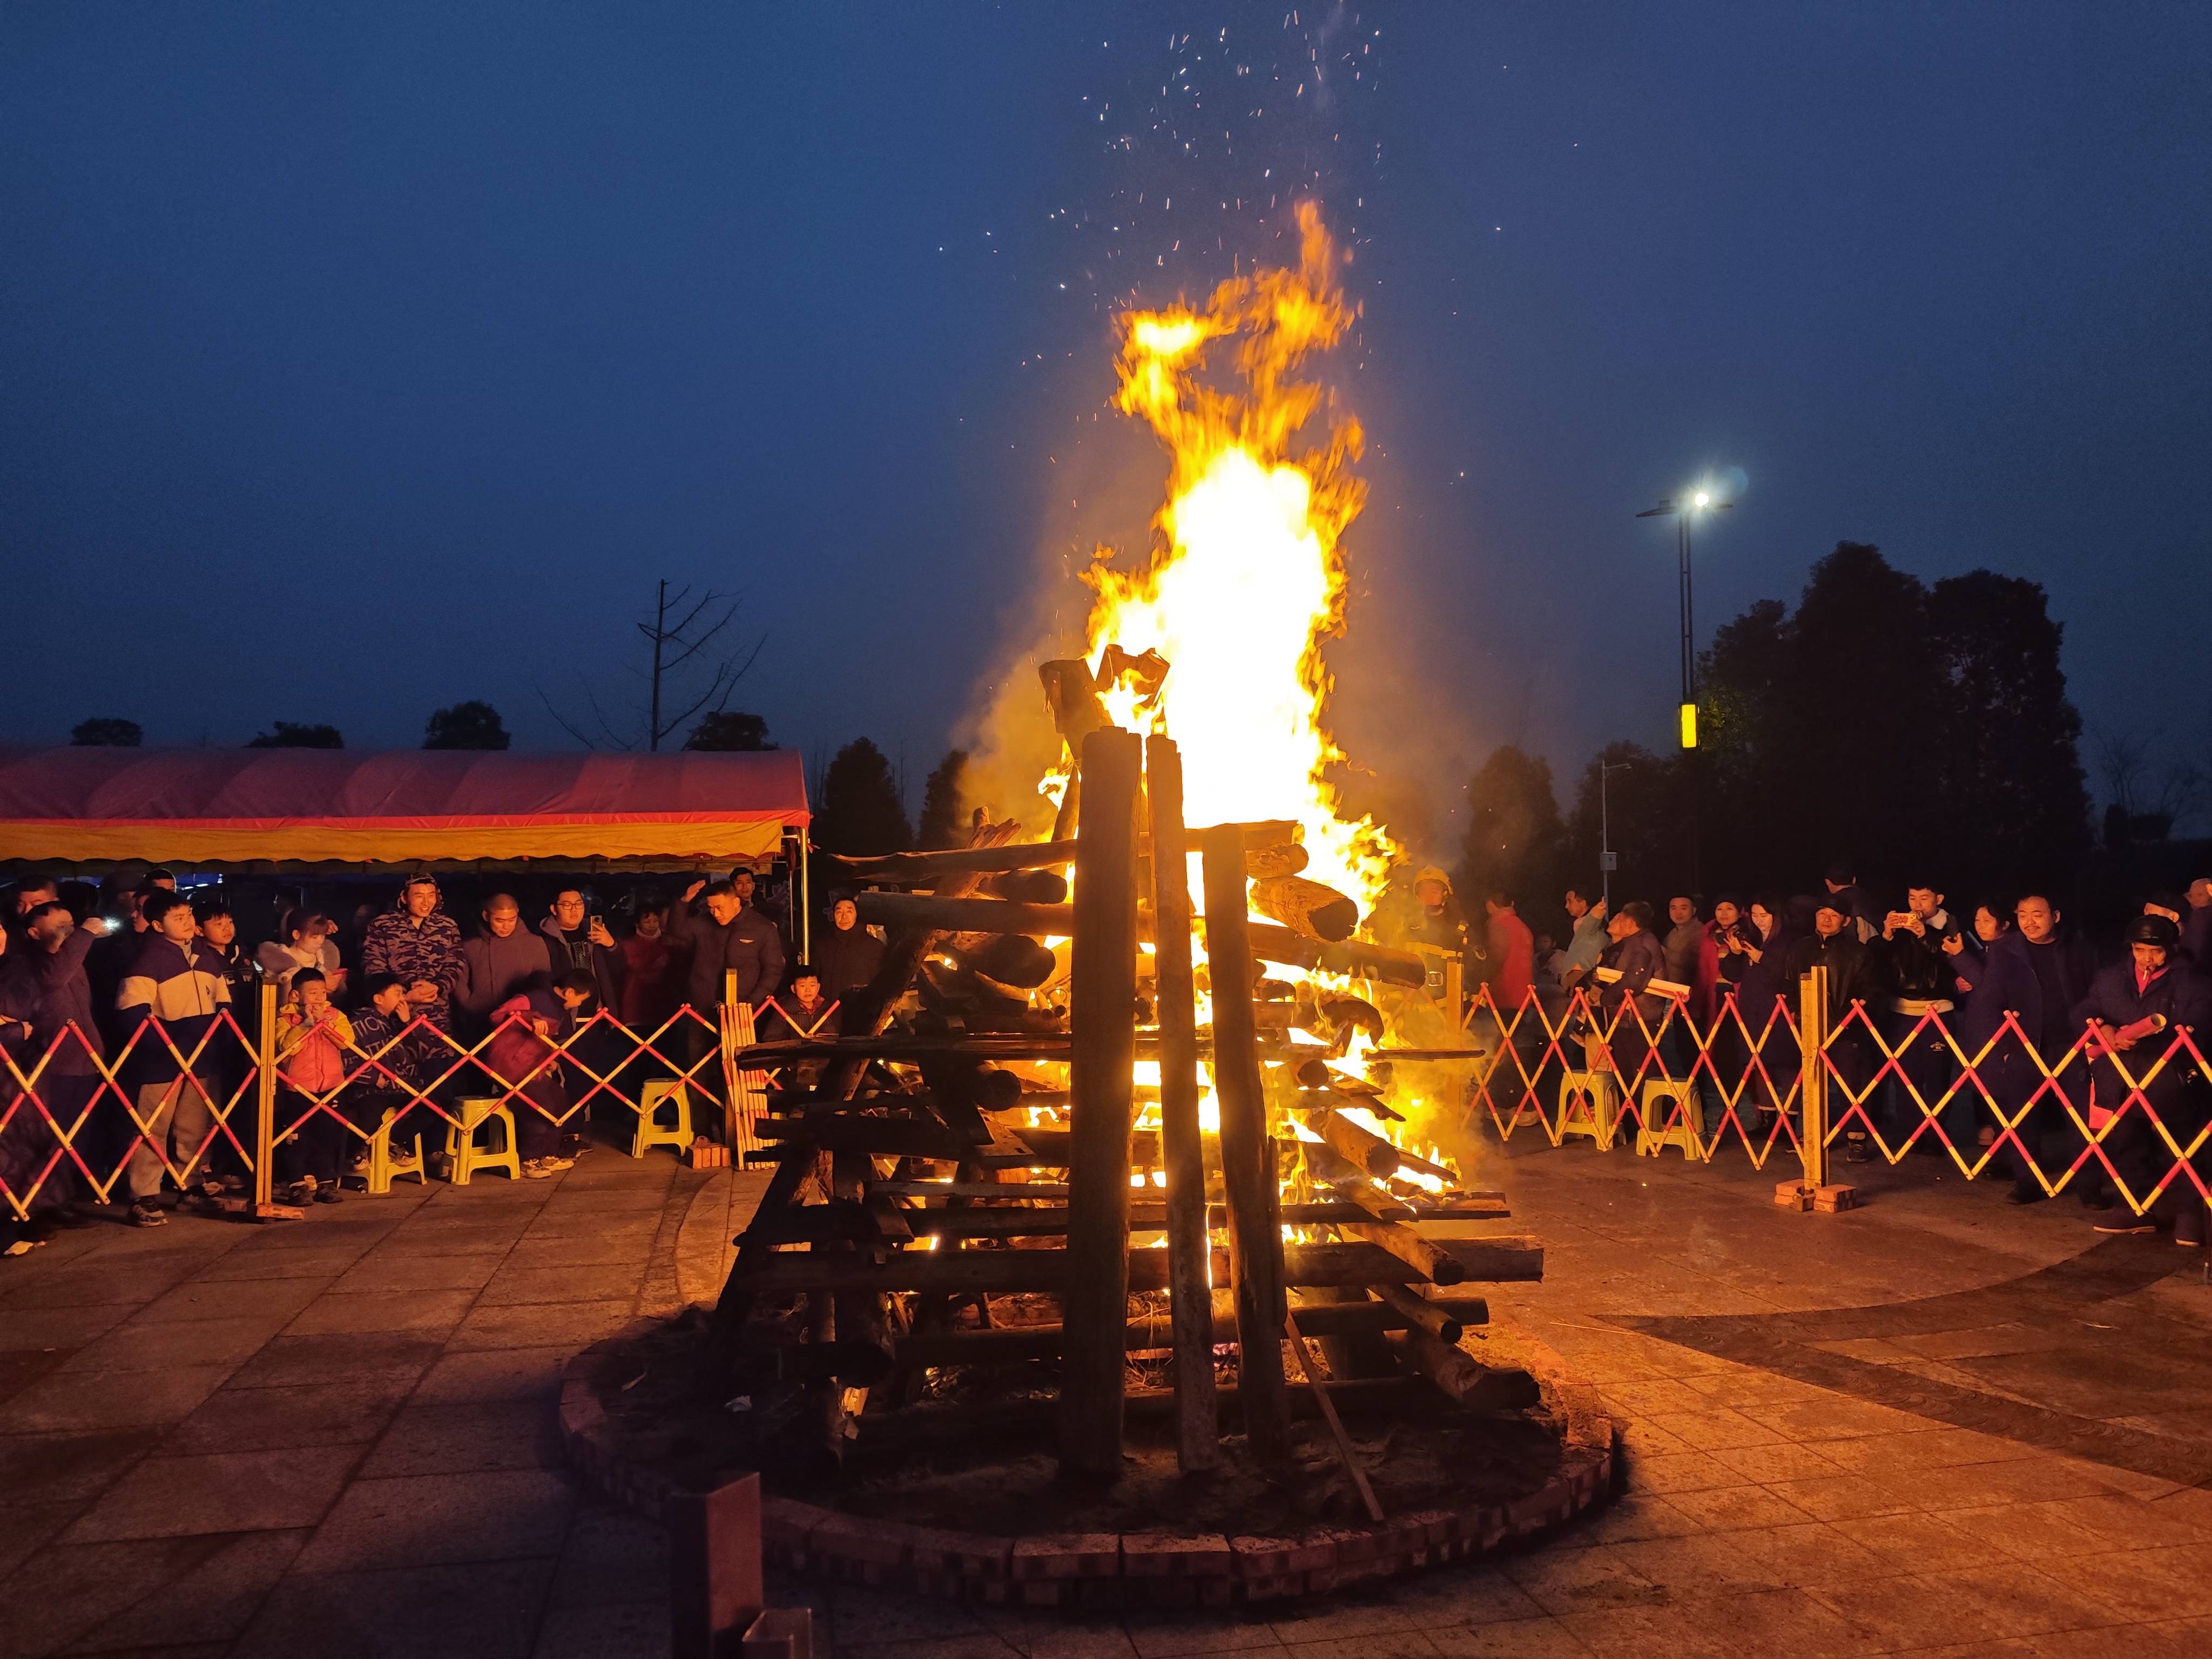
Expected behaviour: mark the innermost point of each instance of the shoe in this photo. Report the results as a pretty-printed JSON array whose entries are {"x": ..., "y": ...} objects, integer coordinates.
[
  {"x": 328, "y": 1193},
  {"x": 2126, "y": 1225},
  {"x": 300, "y": 1192},
  {"x": 441, "y": 1166},
  {"x": 2189, "y": 1227},
  {"x": 1855, "y": 1150},
  {"x": 533, "y": 1169},
  {"x": 147, "y": 1212},
  {"x": 2026, "y": 1192},
  {"x": 558, "y": 1161}
]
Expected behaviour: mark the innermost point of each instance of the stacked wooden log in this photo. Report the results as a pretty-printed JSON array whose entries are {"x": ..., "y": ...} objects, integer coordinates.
[{"x": 968, "y": 1158}]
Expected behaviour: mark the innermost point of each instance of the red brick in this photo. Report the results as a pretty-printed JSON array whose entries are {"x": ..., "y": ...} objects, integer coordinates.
[
  {"x": 1067, "y": 1555},
  {"x": 1154, "y": 1554},
  {"x": 1255, "y": 1558}
]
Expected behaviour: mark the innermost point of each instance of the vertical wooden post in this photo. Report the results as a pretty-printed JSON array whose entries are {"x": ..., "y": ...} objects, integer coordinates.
[
  {"x": 1103, "y": 1019},
  {"x": 1813, "y": 1076},
  {"x": 264, "y": 1103},
  {"x": 1455, "y": 992},
  {"x": 1255, "y": 1239},
  {"x": 1190, "y": 1297}
]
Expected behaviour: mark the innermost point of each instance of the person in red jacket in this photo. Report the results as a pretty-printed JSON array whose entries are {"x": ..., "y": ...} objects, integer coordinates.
[{"x": 1512, "y": 954}]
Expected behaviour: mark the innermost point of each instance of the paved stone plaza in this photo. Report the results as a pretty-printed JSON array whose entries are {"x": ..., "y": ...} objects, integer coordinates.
[{"x": 1937, "y": 1423}]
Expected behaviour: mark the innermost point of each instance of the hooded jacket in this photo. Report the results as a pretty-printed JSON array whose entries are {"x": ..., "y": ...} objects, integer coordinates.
[{"x": 747, "y": 946}]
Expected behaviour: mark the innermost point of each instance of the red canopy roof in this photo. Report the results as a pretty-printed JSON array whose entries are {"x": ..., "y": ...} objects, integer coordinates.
[{"x": 230, "y": 805}]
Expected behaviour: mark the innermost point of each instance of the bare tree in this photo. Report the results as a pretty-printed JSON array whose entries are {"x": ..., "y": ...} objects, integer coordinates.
[{"x": 682, "y": 627}]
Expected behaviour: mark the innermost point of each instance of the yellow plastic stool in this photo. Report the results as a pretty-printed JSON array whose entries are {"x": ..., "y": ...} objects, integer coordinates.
[
  {"x": 1687, "y": 1130},
  {"x": 662, "y": 1091},
  {"x": 1597, "y": 1117},
  {"x": 461, "y": 1141},
  {"x": 383, "y": 1165}
]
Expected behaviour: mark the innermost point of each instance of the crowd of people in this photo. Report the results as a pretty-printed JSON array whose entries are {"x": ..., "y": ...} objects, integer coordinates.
[
  {"x": 159, "y": 990},
  {"x": 2004, "y": 980}
]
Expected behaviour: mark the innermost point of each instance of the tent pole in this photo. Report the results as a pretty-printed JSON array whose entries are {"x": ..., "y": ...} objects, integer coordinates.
[{"x": 805, "y": 905}]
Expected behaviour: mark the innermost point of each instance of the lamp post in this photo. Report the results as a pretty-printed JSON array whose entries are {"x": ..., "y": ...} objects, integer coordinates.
[{"x": 1682, "y": 511}]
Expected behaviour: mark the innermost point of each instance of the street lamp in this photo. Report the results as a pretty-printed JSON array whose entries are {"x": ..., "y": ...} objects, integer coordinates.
[
  {"x": 1606, "y": 860},
  {"x": 1682, "y": 511}
]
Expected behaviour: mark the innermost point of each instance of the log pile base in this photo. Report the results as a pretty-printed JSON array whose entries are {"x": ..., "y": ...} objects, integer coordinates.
[{"x": 1151, "y": 1543}]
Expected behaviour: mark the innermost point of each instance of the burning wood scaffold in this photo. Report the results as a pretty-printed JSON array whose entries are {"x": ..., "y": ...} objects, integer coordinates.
[{"x": 972, "y": 1147}]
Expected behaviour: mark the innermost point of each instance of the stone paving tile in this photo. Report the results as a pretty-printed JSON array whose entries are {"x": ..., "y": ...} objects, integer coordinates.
[
  {"x": 536, "y": 1324},
  {"x": 428, "y": 1312},
  {"x": 211, "y": 1603},
  {"x": 2140, "y": 1584},
  {"x": 1682, "y": 1472},
  {"x": 1042, "y": 1633},
  {"x": 1723, "y": 1627},
  {"x": 26, "y": 1527},
  {"x": 1916, "y": 1543},
  {"x": 58, "y": 1328},
  {"x": 1367, "y": 1613},
  {"x": 614, "y": 1631},
  {"x": 1171, "y": 1636},
  {"x": 495, "y": 1374},
  {"x": 62, "y": 1592},
  {"x": 1517, "y": 1638},
  {"x": 69, "y": 1468},
  {"x": 613, "y": 1556},
  {"x": 119, "y": 1399},
  {"x": 1725, "y": 1509},
  {"x": 218, "y": 1493},
  {"x": 1377, "y": 1644},
  {"x": 482, "y": 1610},
  {"x": 1841, "y": 1497},
  {"x": 1473, "y": 1594},
  {"x": 434, "y": 1519},
  {"x": 437, "y": 1271},
  {"x": 204, "y": 1298},
  {"x": 2030, "y": 1531},
  {"x": 515, "y": 1286},
  {"x": 137, "y": 1345},
  {"x": 1564, "y": 1581},
  {"x": 301, "y": 1414},
  {"x": 253, "y": 1261},
  {"x": 1804, "y": 1556},
  {"x": 1715, "y": 1429},
  {"x": 860, "y": 1615},
  {"x": 977, "y": 1644},
  {"x": 346, "y": 1356},
  {"x": 1768, "y": 1464},
  {"x": 1638, "y": 1515},
  {"x": 456, "y": 1439}
]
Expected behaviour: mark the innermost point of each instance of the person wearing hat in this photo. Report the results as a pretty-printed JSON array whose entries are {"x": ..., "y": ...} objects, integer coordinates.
[
  {"x": 1439, "y": 929},
  {"x": 2136, "y": 1012}
]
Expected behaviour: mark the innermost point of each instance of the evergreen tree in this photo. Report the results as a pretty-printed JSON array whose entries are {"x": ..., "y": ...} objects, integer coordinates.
[
  {"x": 726, "y": 731},
  {"x": 105, "y": 733},
  {"x": 943, "y": 824},
  {"x": 861, "y": 812},
  {"x": 2014, "y": 802},
  {"x": 1515, "y": 840},
  {"x": 471, "y": 724}
]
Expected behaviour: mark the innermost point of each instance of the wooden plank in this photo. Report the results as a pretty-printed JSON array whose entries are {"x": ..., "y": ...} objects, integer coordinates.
[
  {"x": 1182, "y": 1146},
  {"x": 1493, "y": 1261},
  {"x": 904, "y": 1045},
  {"x": 1356, "y": 958},
  {"x": 904, "y": 867},
  {"x": 968, "y": 916},
  {"x": 882, "y": 1137},
  {"x": 1103, "y": 1020},
  {"x": 1256, "y": 1238},
  {"x": 1015, "y": 1344},
  {"x": 1343, "y": 1452}
]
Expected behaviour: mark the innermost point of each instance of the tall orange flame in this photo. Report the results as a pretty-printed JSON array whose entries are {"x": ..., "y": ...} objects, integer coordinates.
[{"x": 1247, "y": 579}]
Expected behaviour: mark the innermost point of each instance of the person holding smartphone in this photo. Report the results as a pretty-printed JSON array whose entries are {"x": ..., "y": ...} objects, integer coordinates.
[{"x": 1913, "y": 1015}]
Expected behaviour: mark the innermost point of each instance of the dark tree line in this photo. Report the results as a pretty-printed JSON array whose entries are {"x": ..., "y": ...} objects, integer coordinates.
[{"x": 1896, "y": 725}]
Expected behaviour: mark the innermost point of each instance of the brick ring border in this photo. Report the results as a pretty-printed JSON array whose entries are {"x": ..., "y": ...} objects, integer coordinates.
[{"x": 1090, "y": 1571}]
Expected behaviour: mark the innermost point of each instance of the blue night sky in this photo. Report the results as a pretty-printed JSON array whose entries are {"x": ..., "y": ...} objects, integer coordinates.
[{"x": 358, "y": 359}]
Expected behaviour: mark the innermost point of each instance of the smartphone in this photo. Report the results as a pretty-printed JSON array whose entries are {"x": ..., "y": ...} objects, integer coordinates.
[{"x": 598, "y": 921}]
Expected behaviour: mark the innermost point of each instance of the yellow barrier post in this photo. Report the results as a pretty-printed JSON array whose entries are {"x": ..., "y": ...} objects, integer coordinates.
[
  {"x": 265, "y": 1206},
  {"x": 1814, "y": 1190},
  {"x": 1455, "y": 992}
]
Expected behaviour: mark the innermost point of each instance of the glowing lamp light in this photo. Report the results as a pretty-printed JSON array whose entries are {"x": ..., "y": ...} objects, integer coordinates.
[
  {"x": 1703, "y": 499},
  {"x": 1689, "y": 725}
]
